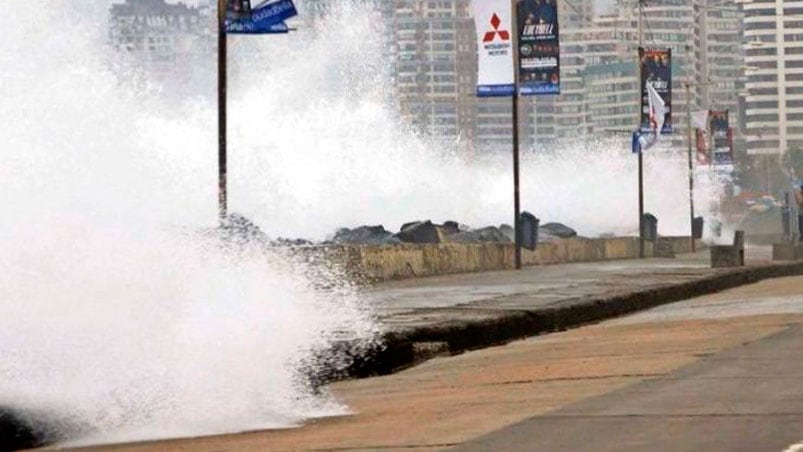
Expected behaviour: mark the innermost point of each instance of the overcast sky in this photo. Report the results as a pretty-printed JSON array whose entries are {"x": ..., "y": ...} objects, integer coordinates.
[{"x": 599, "y": 5}]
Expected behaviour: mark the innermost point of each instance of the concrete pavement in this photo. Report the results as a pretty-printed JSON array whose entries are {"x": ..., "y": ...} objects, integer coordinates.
[
  {"x": 729, "y": 353},
  {"x": 450, "y": 314},
  {"x": 749, "y": 398},
  {"x": 398, "y": 302}
]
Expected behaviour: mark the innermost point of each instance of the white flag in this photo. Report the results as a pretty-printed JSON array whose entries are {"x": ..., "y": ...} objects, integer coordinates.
[
  {"x": 495, "y": 76},
  {"x": 700, "y": 119},
  {"x": 657, "y": 118}
]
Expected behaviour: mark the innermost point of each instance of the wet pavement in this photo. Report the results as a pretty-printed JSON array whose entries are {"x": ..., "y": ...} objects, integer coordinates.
[
  {"x": 746, "y": 398},
  {"x": 679, "y": 377},
  {"x": 403, "y": 305}
]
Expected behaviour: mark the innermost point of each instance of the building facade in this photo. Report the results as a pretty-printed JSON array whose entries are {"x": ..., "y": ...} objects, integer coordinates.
[
  {"x": 168, "y": 42},
  {"x": 155, "y": 29},
  {"x": 773, "y": 46},
  {"x": 720, "y": 58},
  {"x": 433, "y": 59},
  {"x": 436, "y": 72}
]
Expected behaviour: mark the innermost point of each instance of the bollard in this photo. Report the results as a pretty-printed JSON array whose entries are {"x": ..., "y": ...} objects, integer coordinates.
[{"x": 723, "y": 256}]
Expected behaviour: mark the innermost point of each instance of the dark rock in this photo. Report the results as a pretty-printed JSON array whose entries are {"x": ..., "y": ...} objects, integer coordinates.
[
  {"x": 419, "y": 232},
  {"x": 18, "y": 432},
  {"x": 509, "y": 232},
  {"x": 364, "y": 235},
  {"x": 557, "y": 230},
  {"x": 407, "y": 225},
  {"x": 489, "y": 234},
  {"x": 239, "y": 230},
  {"x": 292, "y": 242},
  {"x": 450, "y": 227}
]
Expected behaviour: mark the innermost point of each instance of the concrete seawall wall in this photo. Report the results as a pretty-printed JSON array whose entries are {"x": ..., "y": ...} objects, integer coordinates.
[{"x": 392, "y": 262}]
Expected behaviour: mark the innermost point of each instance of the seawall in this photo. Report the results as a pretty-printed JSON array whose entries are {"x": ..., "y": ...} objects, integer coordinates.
[{"x": 394, "y": 262}]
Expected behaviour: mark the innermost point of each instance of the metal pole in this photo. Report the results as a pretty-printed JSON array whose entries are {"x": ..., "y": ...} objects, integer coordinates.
[
  {"x": 691, "y": 165},
  {"x": 516, "y": 197},
  {"x": 221, "y": 101},
  {"x": 516, "y": 194},
  {"x": 640, "y": 154}
]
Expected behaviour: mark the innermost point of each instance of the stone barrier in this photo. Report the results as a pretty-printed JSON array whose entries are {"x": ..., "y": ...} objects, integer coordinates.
[
  {"x": 393, "y": 262},
  {"x": 787, "y": 251},
  {"x": 723, "y": 256}
]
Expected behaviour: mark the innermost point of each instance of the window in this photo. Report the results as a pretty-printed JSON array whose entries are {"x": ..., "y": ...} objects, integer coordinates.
[{"x": 762, "y": 117}]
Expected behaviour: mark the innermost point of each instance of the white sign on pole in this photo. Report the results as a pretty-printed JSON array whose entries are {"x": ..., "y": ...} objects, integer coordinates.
[{"x": 495, "y": 73}]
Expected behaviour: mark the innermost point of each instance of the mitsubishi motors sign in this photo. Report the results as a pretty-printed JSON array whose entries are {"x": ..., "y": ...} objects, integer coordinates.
[{"x": 495, "y": 76}]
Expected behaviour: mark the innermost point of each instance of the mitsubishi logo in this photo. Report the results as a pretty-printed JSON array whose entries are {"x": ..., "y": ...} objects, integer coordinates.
[{"x": 491, "y": 35}]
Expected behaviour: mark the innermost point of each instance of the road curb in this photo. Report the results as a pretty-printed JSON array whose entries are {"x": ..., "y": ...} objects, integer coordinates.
[{"x": 399, "y": 349}]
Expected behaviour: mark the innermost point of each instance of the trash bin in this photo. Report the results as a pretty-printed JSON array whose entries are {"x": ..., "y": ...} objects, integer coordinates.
[
  {"x": 528, "y": 230},
  {"x": 697, "y": 228},
  {"x": 650, "y": 232}
]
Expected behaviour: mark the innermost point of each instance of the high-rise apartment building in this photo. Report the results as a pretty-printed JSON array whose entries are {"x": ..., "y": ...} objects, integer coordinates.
[
  {"x": 436, "y": 70},
  {"x": 564, "y": 117},
  {"x": 670, "y": 24},
  {"x": 720, "y": 57},
  {"x": 599, "y": 69},
  {"x": 773, "y": 49},
  {"x": 169, "y": 42},
  {"x": 435, "y": 65},
  {"x": 609, "y": 76},
  {"x": 154, "y": 29}
]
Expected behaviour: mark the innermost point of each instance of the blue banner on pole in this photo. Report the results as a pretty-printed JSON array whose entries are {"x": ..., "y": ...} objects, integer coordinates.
[
  {"x": 656, "y": 71},
  {"x": 266, "y": 18},
  {"x": 256, "y": 29},
  {"x": 496, "y": 90},
  {"x": 539, "y": 47}
]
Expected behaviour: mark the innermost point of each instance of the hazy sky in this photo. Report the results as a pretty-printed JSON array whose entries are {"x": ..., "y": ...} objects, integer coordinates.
[{"x": 599, "y": 5}]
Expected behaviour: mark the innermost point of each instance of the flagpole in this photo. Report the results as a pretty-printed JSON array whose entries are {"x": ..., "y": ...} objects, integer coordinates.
[
  {"x": 221, "y": 101},
  {"x": 640, "y": 154},
  {"x": 516, "y": 194}
]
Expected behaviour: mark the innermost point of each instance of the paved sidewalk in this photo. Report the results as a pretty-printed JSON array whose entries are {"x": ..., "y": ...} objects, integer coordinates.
[
  {"x": 428, "y": 317},
  {"x": 412, "y": 303},
  {"x": 720, "y": 370}
]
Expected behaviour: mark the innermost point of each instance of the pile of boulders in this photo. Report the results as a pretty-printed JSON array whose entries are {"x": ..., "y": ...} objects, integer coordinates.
[
  {"x": 427, "y": 232},
  {"x": 239, "y": 230},
  {"x": 555, "y": 231},
  {"x": 364, "y": 235}
]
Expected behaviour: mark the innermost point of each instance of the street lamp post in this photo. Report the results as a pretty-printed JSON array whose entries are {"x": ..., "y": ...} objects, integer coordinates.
[
  {"x": 221, "y": 102},
  {"x": 690, "y": 140},
  {"x": 515, "y": 119},
  {"x": 638, "y": 122},
  {"x": 264, "y": 19},
  {"x": 691, "y": 165}
]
